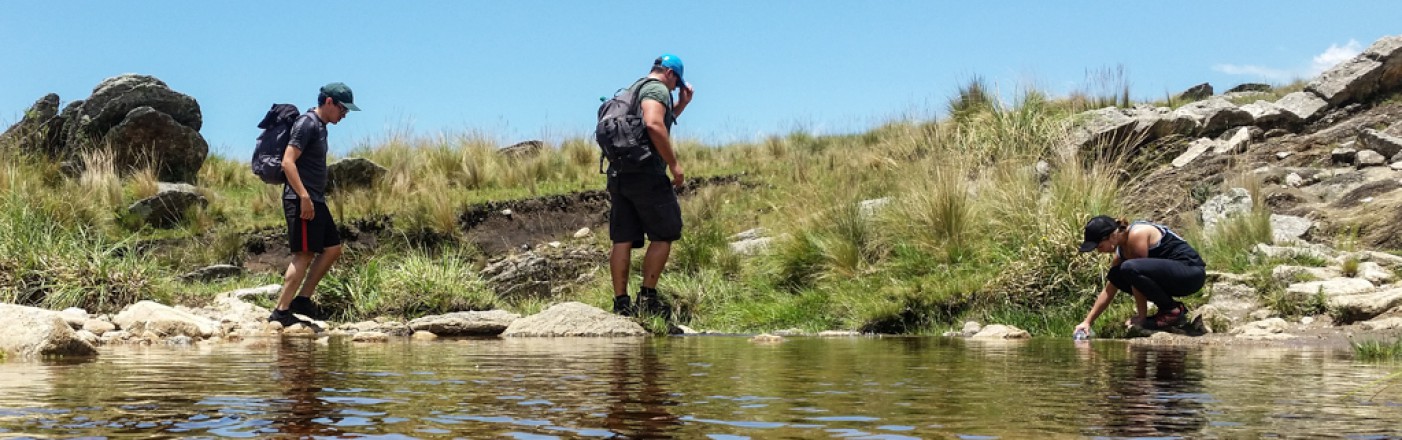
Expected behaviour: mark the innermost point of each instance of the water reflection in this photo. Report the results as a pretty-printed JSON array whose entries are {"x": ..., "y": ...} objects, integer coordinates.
[
  {"x": 638, "y": 402},
  {"x": 697, "y": 388},
  {"x": 1157, "y": 392},
  {"x": 298, "y": 377}
]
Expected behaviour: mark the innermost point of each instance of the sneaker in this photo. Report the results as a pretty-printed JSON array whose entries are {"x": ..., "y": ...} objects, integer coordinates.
[
  {"x": 283, "y": 317},
  {"x": 652, "y": 305},
  {"x": 1170, "y": 318},
  {"x": 623, "y": 305},
  {"x": 304, "y": 306}
]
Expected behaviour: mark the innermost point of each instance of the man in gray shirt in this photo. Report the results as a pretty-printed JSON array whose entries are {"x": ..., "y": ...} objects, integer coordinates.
[{"x": 311, "y": 232}]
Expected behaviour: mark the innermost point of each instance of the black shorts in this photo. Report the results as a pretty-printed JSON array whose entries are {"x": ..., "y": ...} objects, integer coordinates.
[
  {"x": 643, "y": 205},
  {"x": 313, "y": 235}
]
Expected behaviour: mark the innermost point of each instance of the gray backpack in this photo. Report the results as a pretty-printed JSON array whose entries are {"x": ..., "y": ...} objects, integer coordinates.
[{"x": 622, "y": 134}]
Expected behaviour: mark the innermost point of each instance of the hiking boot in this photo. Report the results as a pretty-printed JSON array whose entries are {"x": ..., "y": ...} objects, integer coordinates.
[
  {"x": 284, "y": 317},
  {"x": 623, "y": 305},
  {"x": 304, "y": 306},
  {"x": 1165, "y": 319},
  {"x": 650, "y": 304}
]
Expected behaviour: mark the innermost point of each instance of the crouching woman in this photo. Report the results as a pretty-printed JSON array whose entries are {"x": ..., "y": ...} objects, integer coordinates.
[{"x": 1152, "y": 262}]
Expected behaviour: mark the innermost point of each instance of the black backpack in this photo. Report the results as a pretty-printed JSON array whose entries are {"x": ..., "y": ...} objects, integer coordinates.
[
  {"x": 272, "y": 143},
  {"x": 622, "y": 134}
]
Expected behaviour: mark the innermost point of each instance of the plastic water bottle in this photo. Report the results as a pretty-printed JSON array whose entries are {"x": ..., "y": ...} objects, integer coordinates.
[{"x": 1081, "y": 335}]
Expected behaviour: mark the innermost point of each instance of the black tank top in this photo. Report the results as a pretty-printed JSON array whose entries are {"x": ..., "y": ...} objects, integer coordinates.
[{"x": 1170, "y": 247}]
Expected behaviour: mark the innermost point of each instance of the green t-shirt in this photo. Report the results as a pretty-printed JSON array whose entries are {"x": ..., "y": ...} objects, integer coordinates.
[{"x": 657, "y": 91}]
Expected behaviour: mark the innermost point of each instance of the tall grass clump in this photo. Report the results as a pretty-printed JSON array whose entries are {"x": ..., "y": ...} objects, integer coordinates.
[
  {"x": 1374, "y": 351},
  {"x": 408, "y": 285}
]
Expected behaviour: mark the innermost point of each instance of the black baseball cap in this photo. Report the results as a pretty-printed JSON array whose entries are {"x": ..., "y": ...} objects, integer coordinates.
[
  {"x": 340, "y": 93},
  {"x": 1097, "y": 229}
]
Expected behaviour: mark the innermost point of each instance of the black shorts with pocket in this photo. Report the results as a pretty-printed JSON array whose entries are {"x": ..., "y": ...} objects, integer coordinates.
[
  {"x": 313, "y": 235},
  {"x": 644, "y": 205}
]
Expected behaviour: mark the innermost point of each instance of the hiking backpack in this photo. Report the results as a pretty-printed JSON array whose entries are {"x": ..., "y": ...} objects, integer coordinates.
[
  {"x": 272, "y": 143},
  {"x": 622, "y": 134}
]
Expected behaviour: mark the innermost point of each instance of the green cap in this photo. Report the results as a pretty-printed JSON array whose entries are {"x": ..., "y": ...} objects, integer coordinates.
[{"x": 341, "y": 93}]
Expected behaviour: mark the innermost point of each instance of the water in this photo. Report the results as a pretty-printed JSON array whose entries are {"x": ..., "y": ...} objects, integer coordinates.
[{"x": 702, "y": 387}]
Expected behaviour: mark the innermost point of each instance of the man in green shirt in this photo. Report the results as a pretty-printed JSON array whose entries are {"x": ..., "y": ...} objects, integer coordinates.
[{"x": 644, "y": 203}]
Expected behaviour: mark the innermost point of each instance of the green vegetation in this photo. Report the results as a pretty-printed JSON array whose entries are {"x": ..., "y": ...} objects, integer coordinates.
[
  {"x": 1377, "y": 350},
  {"x": 971, "y": 227}
]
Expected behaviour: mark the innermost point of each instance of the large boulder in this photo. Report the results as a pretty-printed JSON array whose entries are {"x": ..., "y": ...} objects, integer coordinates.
[
  {"x": 30, "y": 135},
  {"x": 1364, "y": 306},
  {"x": 488, "y": 323},
  {"x": 1350, "y": 81},
  {"x": 1388, "y": 51},
  {"x": 1215, "y": 115},
  {"x": 164, "y": 321},
  {"x": 1303, "y": 106},
  {"x": 1159, "y": 122},
  {"x": 148, "y": 137},
  {"x": 30, "y": 332},
  {"x": 168, "y": 207},
  {"x": 1269, "y": 115},
  {"x": 355, "y": 172},
  {"x": 574, "y": 319},
  {"x": 1104, "y": 129}
]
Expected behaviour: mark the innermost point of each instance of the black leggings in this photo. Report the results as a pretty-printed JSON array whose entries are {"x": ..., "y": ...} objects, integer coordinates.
[{"x": 1158, "y": 279}]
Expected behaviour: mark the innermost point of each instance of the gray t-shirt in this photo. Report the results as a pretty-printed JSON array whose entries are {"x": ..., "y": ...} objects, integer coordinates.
[{"x": 309, "y": 135}]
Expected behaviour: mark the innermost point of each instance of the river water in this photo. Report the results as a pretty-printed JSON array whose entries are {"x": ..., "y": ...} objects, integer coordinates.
[{"x": 702, "y": 387}]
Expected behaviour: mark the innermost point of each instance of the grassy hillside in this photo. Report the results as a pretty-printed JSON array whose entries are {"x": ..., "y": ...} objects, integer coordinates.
[{"x": 973, "y": 229}]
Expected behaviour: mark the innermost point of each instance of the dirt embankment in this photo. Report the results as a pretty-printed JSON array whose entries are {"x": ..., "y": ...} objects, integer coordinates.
[{"x": 496, "y": 227}]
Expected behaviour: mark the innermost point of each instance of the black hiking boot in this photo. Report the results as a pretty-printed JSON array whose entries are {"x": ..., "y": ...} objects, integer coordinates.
[
  {"x": 623, "y": 305},
  {"x": 650, "y": 304},
  {"x": 304, "y": 306},
  {"x": 284, "y": 317}
]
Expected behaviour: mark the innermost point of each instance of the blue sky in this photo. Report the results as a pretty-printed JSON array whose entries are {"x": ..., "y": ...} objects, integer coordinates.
[{"x": 517, "y": 70}]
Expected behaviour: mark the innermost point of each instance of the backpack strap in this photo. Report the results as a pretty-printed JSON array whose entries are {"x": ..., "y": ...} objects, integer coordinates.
[{"x": 636, "y": 105}]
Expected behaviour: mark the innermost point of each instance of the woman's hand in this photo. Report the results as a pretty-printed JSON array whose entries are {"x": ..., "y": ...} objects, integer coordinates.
[{"x": 1083, "y": 327}]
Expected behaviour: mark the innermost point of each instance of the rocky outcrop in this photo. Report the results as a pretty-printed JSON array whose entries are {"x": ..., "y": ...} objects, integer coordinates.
[
  {"x": 541, "y": 271},
  {"x": 168, "y": 207},
  {"x": 574, "y": 319},
  {"x": 524, "y": 149},
  {"x": 354, "y": 173},
  {"x": 1220, "y": 207},
  {"x": 137, "y": 118},
  {"x": 31, "y": 134},
  {"x": 489, "y": 323},
  {"x": 212, "y": 273},
  {"x": 1197, "y": 92},
  {"x": 30, "y": 332}
]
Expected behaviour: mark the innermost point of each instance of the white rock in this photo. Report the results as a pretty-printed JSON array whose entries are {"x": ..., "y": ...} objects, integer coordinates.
[
  {"x": 164, "y": 321},
  {"x": 574, "y": 319},
  {"x": 1294, "y": 180},
  {"x": 1332, "y": 287},
  {"x": 1289, "y": 228},
  {"x": 583, "y": 233},
  {"x": 370, "y": 337},
  {"x": 999, "y": 331}
]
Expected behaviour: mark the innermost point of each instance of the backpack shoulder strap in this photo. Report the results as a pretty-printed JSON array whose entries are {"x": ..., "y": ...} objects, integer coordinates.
[{"x": 637, "y": 102}]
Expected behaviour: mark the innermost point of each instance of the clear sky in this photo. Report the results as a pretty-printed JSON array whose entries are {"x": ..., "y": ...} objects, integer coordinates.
[{"x": 518, "y": 70}]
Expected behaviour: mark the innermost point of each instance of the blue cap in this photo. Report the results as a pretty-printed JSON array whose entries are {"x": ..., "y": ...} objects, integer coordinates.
[{"x": 671, "y": 62}]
